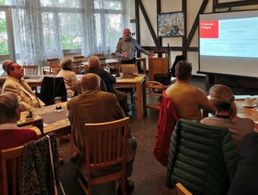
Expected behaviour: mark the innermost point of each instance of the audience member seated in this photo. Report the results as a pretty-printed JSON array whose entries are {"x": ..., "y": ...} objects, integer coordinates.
[
  {"x": 16, "y": 84},
  {"x": 69, "y": 76},
  {"x": 109, "y": 81},
  {"x": 222, "y": 99},
  {"x": 246, "y": 175},
  {"x": 177, "y": 59},
  {"x": 10, "y": 134},
  {"x": 4, "y": 65},
  {"x": 201, "y": 157},
  {"x": 94, "y": 106},
  {"x": 188, "y": 99}
]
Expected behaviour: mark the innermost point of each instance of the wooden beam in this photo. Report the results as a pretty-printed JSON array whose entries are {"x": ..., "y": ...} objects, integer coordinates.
[
  {"x": 196, "y": 23},
  {"x": 184, "y": 9},
  {"x": 148, "y": 23},
  {"x": 158, "y": 12},
  {"x": 162, "y": 49},
  {"x": 137, "y": 22}
]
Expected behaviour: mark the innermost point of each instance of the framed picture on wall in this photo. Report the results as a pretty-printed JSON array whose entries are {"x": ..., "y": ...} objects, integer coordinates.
[{"x": 171, "y": 24}]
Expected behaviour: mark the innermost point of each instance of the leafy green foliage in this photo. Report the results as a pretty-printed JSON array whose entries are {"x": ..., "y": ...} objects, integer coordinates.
[
  {"x": 3, "y": 48},
  {"x": 69, "y": 42},
  {"x": 3, "y": 35},
  {"x": 3, "y": 27}
]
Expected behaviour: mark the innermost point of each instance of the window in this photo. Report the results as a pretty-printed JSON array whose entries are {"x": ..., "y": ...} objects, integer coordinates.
[
  {"x": 3, "y": 34},
  {"x": 45, "y": 28},
  {"x": 70, "y": 31}
]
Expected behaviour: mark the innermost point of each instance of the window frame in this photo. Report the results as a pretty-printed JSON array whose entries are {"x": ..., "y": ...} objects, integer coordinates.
[{"x": 10, "y": 33}]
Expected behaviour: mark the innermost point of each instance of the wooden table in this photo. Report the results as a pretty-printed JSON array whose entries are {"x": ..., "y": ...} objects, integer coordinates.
[
  {"x": 53, "y": 120},
  {"x": 115, "y": 62},
  {"x": 244, "y": 112},
  {"x": 138, "y": 84}
]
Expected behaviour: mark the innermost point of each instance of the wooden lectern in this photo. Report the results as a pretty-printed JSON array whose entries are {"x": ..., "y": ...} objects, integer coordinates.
[{"x": 157, "y": 65}]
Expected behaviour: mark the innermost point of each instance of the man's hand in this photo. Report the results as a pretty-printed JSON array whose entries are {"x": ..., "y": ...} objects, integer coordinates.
[{"x": 126, "y": 55}]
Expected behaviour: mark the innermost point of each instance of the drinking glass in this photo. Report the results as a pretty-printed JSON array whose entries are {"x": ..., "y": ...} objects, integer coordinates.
[{"x": 58, "y": 102}]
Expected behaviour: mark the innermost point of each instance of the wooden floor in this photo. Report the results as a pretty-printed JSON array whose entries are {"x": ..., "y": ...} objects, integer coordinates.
[{"x": 148, "y": 175}]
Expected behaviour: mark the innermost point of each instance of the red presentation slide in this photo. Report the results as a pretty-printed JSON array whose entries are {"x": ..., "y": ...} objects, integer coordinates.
[{"x": 209, "y": 29}]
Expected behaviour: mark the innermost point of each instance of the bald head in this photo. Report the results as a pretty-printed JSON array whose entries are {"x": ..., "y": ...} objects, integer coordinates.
[
  {"x": 9, "y": 107},
  {"x": 90, "y": 81},
  {"x": 94, "y": 62},
  {"x": 126, "y": 34}
]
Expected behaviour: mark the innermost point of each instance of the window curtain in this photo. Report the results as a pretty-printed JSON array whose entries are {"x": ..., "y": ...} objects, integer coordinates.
[
  {"x": 43, "y": 28},
  {"x": 103, "y": 23},
  {"x": 28, "y": 31}
]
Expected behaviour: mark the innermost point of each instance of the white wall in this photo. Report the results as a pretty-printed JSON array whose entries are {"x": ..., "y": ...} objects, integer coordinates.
[{"x": 193, "y": 7}]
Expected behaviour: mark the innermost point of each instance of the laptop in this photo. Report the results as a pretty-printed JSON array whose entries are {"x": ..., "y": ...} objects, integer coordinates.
[{"x": 129, "y": 70}]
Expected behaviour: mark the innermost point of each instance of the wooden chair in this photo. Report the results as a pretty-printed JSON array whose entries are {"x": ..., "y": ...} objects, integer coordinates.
[
  {"x": 53, "y": 61},
  {"x": 30, "y": 69},
  {"x": 106, "y": 145},
  {"x": 52, "y": 87},
  {"x": 11, "y": 163},
  {"x": 52, "y": 67},
  {"x": 9, "y": 173},
  {"x": 157, "y": 65},
  {"x": 181, "y": 190},
  {"x": 154, "y": 91},
  {"x": 77, "y": 60}
]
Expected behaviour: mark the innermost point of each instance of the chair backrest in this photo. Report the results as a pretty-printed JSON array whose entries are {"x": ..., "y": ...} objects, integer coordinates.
[
  {"x": 9, "y": 162},
  {"x": 53, "y": 66},
  {"x": 106, "y": 143},
  {"x": 154, "y": 91},
  {"x": 105, "y": 148},
  {"x": 30, "y": 69},
  {"x": 53, "y": 62},
  {"x": 181, "y": 190},
  {"x": 52, "y": 87},
  {"x": 157, "y": 65},
  {"x": 37, "y": 159},
  {"x": 201, "y": 157},
  {"x": 78, "y": 58}
]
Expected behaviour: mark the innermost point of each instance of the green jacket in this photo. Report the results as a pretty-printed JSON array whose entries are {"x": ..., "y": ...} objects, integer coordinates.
[{"x": 203, "y": 158}]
